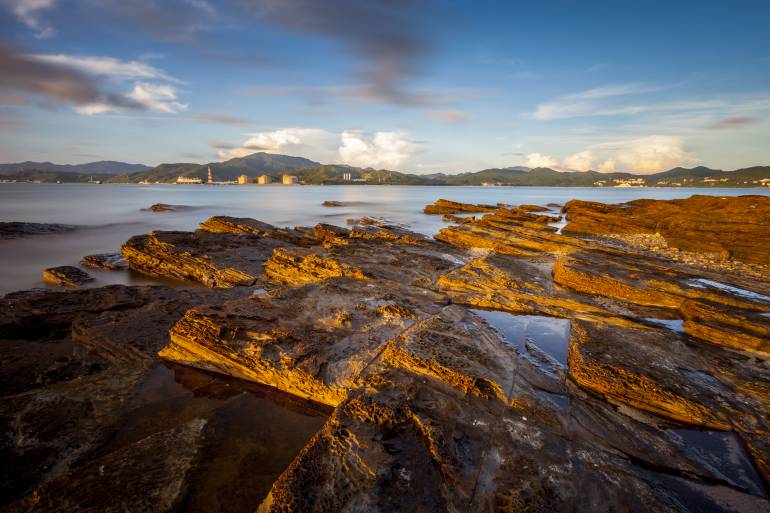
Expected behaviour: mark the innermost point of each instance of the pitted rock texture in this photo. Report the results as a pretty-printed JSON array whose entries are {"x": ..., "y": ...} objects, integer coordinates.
[
  {"x": 733, "y": 228},
  {"x": 659, "y": 401}
]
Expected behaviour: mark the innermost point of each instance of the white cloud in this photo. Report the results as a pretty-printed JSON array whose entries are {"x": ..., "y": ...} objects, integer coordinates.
[
  {"x": 107, "y": 66},
  {"x": 644, "y": 155},
  {"x": 581, "y": 161},
  {"x": 608, "y": 166},
  {"x": 538, "y": 160},
  {"x": 159, "y": 98},
  {"x": 28, "y": 11},
  {"x": 600, "y": 101},
  {"x": 384, "y": 149},
  {"x": 647, "y": 154},
  {"x": 313, "y": 143}
]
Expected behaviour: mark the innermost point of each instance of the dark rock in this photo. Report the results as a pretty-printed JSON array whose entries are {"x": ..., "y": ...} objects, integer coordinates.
[
  {"x": 66, "y": 275},
  {"x": 12, "y": 230},
  {"x": 110, "y": 261}
]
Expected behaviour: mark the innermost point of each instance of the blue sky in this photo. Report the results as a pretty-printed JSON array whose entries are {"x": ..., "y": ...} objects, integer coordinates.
[{"x": 416, "y": 86}]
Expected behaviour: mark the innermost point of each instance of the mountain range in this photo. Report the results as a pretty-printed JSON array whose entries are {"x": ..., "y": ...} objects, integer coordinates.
[{"x": 311, "y": 172}]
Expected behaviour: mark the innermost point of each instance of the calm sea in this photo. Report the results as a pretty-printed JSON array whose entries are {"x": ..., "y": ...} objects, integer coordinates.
[{"x": 110, "y": 214}]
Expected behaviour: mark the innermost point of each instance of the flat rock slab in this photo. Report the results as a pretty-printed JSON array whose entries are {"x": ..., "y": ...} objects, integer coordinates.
[
  {"x": 66, "y": 275},
  {"x": 13, "y": 230},
  {"x": 732, "y": 228},
  {"x": 109, "y": 261}
]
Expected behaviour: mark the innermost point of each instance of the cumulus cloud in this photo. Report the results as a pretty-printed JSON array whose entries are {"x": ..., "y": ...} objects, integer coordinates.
[
  {"x": 644, "y": 155},
  {"x": 581, "y": 161},
  {"x": 383, "y": 149},
  {"x": 647, "y": 154},
  {"x": 313, "y": 143},
  {"x": 539, "y": 160}
]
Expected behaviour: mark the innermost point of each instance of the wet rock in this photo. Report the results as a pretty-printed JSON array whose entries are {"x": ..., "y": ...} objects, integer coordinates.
[
  {"x": 296, "y": 266},
  {"x": 219, "y": 260},
  {"x": 635, "y": 367},
  {"x": 738, "y": 227},
  {"x": 109, "y": 261},
  {"x": 736, "y": 328},
  {"x": 533, "y": 208},
  {"x": 13, "y": 230},
  {"x": 435, "y": 405},
  {"x": 329, "y": 203},
  {"x": 163, "y": 207},
  {"x": 66, "y": 275},
  {"x": 443, "y": 206}
]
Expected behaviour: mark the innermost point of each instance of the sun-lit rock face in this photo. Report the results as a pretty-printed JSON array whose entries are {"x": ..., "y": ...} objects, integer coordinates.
[
  {"x": 732, "y": 228},
  {"x": 502, "y": 366}
]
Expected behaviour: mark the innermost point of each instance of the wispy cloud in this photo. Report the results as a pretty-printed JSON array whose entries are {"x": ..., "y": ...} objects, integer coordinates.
[
  {"x": 733, "y": 122},
  {"x": 20, "y": 74},
  {"x": 386, "y": 38},
  {"x": 601, "y": 101},
  {"x": 219, "y": 118},
  {"x": 29, "y": 12},
  {"x": 92, "y": 83},
  {"x": 107, "y": 66},
  {"x": 158, "y": 98},
  {"x": 451, "y": 116}
]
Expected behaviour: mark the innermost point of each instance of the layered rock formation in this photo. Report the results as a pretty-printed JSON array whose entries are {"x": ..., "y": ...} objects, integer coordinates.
[
  {"x": 66, "y": 275},
  {"x": 501, "y": 366},
  {"x": 729, "y": 227}
]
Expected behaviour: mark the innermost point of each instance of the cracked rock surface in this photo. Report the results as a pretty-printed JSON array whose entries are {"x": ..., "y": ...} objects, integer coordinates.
[{"x": 500, "y": 366}]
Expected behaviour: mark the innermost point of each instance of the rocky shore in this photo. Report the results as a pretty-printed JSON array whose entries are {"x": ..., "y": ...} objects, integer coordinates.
[{"x": 503, "y": 365}]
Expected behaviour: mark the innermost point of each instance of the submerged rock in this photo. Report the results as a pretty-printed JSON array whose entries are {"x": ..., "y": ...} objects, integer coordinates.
[
  {"x": 66, "y": 275},
  {"x": 110, "y": 261},
  {"x": 12, "y": 230},
  {"x": 443, "y": 206},
  {"x": 163, "y": 207}
]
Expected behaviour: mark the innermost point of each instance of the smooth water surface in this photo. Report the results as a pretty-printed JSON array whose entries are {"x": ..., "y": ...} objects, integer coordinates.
[{"x": 110, "y": 214}]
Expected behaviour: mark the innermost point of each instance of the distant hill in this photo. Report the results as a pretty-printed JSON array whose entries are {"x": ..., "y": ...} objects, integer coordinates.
[
  {"x": 54, "y": 177},
  {"x": 252, "y": 165},
  {"x": 314, "y": 173},
  {"x": 103, "y": 167}
]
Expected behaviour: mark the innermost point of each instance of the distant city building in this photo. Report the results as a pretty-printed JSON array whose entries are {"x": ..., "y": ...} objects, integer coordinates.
[
  {"x": 243, "y": 180},
  {"x": 210, "y": 177},
  {"x": 347, "y": 176},
  {"x": 264, "y": 180},
  {"x": 187, "y": 180},
  {"x": 289, "y": 180}
]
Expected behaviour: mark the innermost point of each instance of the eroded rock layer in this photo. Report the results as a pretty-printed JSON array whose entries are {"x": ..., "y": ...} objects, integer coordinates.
[
  {"x": 731, "y": 227},
  {"x": 502, "y": 366}
]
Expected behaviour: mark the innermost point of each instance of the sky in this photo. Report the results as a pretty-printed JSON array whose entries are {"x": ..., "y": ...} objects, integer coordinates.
[{"x": 416, "y": 86}]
